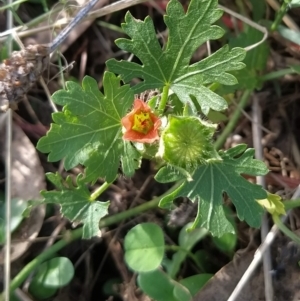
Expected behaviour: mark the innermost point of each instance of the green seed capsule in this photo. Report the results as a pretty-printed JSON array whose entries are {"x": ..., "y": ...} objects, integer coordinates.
[{"x": 186, "y": 142}]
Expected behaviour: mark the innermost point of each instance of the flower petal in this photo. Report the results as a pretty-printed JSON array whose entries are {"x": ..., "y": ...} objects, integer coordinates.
[{"x": 141, "y": 124}]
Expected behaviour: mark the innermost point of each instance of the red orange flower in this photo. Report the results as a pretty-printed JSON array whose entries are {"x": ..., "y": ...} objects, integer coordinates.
[{"x": 141, "y": 124}]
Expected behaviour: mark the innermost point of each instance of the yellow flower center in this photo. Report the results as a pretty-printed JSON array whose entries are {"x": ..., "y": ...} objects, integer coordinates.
[{"x": 142, "y": 122}]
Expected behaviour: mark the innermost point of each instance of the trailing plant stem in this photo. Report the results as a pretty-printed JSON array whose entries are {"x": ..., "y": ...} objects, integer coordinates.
[
  {"x": 233, "y": 120},
  {"x": 164, "y": 99},
  {"x": 114, "y": 219},
  {"x": 32, "y": 265},
  {"x": 77, "y": 234},
  {"x": 280, "y": 14},
  {"x": 284, "y": 229},
  {"x": 189, "y": 253},
  {"x": 291, "y": 204},
  {"x": 110, "y": 220}
]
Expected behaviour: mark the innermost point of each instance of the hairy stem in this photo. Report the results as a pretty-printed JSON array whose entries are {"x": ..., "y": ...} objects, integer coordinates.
[
  {"x": 291, "y": 204},
  {"x": 76, "y": 234},
  {"x": 175, "y": 248},
  {"x": 164, "y": 99},
  {"x": 100, "y": 190},
  {"x": 284, "y": 229},
  {"x": 32, "y": 265},
  {"x": 114, "y": 219},
  {"x": 280, "y": 14}
]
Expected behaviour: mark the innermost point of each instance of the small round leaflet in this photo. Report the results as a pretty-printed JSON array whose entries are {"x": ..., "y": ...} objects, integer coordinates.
[{"x": 144, "y": 247}]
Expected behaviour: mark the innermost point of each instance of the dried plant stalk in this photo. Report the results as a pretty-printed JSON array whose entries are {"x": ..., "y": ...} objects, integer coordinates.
[{"x": 19, "y": 72}]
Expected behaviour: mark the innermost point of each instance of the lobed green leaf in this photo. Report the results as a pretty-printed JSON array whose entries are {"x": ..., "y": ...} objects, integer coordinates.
[
  {"x": 170, "y": 66},
  {"x": 89, "y": 130},
  {"x": 77, "y": 205},
  {"x": 211, "y": 180}
]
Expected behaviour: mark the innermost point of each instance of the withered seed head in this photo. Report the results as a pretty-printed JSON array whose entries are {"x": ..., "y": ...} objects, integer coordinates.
[
  {"x": 2, "y": 74},
  {"x": 19, "y": 72},
  {"x": 23, "y": 68}
]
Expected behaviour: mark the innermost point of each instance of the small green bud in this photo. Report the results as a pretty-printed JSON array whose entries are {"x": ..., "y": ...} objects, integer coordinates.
[{"x": 186, "y": 142}]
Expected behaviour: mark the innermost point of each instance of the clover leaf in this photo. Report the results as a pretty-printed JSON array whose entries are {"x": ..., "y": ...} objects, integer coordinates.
[
  {"x": 88, "y": 131},
  {"x": 169, "y": 66},
  {"x": 212, "y": 179}
]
